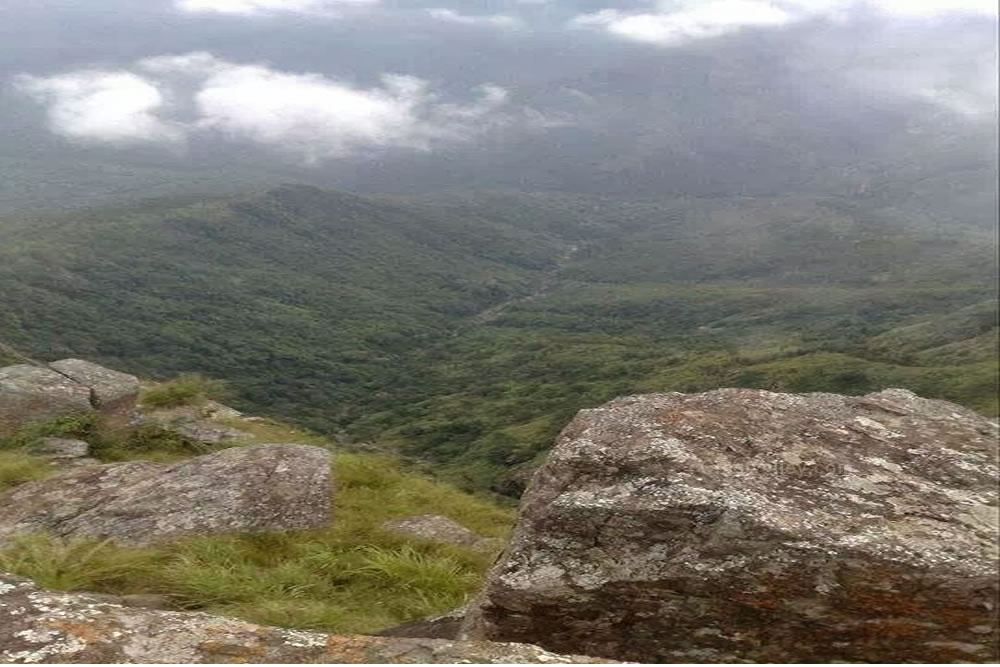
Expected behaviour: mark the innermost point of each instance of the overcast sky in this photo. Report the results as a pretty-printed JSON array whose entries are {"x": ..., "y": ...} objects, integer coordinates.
[{"x": 534, "y": 93}]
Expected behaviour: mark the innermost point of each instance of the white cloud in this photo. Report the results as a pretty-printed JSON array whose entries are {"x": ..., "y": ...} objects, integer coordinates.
[
  {"x": 495, "y": 20},
  {"x": 267, "y": 6},
  {"x": 196, "y": 63},
  {"x": 932, "y": 8},
  {"x": 309, "y": 116},
  {"x": 112, "y": 107},
  {"x": 673, "y": 22},
  {"x": 711, "y": 19}
]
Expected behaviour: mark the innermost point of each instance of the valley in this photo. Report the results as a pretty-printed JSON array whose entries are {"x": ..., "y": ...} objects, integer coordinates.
[{"x": 462, "y": 331}]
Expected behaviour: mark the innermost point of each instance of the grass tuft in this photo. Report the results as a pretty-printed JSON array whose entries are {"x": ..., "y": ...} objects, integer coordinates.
[
  {"x": 17, "y": 468},
  {"x": 185, "y": 389},
  {"x": 78, "y": 564}
]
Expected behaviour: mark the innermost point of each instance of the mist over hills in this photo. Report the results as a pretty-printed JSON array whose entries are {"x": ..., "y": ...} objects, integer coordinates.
[
  {"x": 552, "y": 203},
  {"x": 836, "y": 98}
]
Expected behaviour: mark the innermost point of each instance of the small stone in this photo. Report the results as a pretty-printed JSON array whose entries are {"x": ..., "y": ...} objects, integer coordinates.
[
  {"x": 433, "y": 527},
  {"x": 206, "y": 431},
  {"x": 60, "y": 448}
]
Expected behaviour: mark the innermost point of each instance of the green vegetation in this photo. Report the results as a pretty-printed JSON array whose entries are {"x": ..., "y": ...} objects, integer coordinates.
[
  {"x": 144, "y": 442},
  {"x": 83, "y": 426},
  {"x": 185, "y": 389},
  {"x": 18, "y": 467},
  {"x": 464, "y": 331},
  {"x": 351, "y": 577}
]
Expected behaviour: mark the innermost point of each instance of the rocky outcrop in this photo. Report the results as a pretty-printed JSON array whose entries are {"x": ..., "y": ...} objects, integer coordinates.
[
  {"x": 31, "y": 394},
  {"x": 744, "y": 525},
  {"x": 35, "y": 394},
  {"x": 112, "y": 393},
  {"x": 244, "y": 489},
  {"x": 44, "y": 627},
  {"x": 437, "y": 529}
]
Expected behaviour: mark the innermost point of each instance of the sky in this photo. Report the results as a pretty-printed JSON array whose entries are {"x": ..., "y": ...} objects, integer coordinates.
[{"x": 643, "y": 96}]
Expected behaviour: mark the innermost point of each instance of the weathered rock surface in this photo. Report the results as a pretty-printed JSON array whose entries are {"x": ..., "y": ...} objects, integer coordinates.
[
  {"x": 434, "y": 527},
  {"x": 60, "y": 448},
  {"x": 242, "y": 489},
  {"x": 444, "y": 626},
  {"x": 31, "y": 394},
  {"x": 112, "y": 393},
  {"x": 745, "y": 525},
  {"x": 44, "y": 627},
  {"x": 205, "y": 431},
  {"x": 197, "y": 422}
]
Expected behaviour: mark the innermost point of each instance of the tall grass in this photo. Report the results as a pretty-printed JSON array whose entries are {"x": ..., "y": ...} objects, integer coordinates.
[
  {"x": 349, "y": 577},
  {"x": 18, "y": 467}
]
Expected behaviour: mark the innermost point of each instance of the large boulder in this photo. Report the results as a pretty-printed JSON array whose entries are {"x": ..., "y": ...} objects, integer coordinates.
[
  {"x": 745, "y": 525},
  {"x": 261, "y": 488},
  {"x": 113, "y": 393},
  {"x": 45, "y": 627},
  {"x": 31, "y": 394}
]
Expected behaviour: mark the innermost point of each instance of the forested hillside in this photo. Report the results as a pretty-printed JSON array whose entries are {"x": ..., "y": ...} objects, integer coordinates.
[{"x": 464, "y": 330}]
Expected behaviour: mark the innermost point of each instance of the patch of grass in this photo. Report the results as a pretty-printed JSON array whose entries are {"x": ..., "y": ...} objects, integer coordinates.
[
  {"x": 151, "y": 443},
  {"x": 185, "y": 389},
  {"x": 17, "y": 468},
  {"x": 348, "y": 577},
  {"x": 78, "y": 564},
  {"x": 81, "y": 426}
]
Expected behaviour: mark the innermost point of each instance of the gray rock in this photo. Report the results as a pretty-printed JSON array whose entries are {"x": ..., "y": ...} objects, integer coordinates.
[
  {"x": 744, "y": 525},
  {"x": 146, "y": 601},
  {"x": 216, "y": 410},
  {"x": 433, "y": 527},
  {"x": 444, "y": 626},
  {"x": 205, "y": 431},
  {"x": 114, "y": 394},
  {"x": 60, "y": 448},
  {"x": 44, "y": 627},
  {"x": 31, "y": 394},
  {"x": 261, "y": 488}
]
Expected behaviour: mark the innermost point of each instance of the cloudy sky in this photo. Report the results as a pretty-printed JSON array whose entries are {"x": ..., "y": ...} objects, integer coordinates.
[{"x": 647, "y": 95}]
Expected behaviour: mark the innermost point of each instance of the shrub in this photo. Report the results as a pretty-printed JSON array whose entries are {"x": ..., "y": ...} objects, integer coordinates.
[
  {"x": 149, "y": 442},
  {"x": 185, "y": 389},
  {"x": 81, "y": 426}
]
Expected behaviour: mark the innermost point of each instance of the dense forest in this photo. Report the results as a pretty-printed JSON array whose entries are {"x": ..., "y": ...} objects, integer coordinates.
[{"x": 465, "y": 330}]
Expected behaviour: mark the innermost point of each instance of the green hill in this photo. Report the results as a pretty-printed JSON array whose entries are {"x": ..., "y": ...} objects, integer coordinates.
[{"x": 465, "y": 329}]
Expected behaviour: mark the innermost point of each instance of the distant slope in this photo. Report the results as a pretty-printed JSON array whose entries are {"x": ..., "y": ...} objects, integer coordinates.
[
  {"x": 465, "y": 329},
  {"x": 302, "y": 297}
]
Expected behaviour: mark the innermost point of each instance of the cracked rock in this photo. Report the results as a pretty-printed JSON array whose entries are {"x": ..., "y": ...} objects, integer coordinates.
[{"x": 742, "y": 525}]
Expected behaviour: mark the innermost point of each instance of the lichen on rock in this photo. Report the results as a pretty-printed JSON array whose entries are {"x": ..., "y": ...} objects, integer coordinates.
[
  {"x": 258, "y": 488},
  {"x": 39, "y": 626},
  {"x": 746, "y": 525}
]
